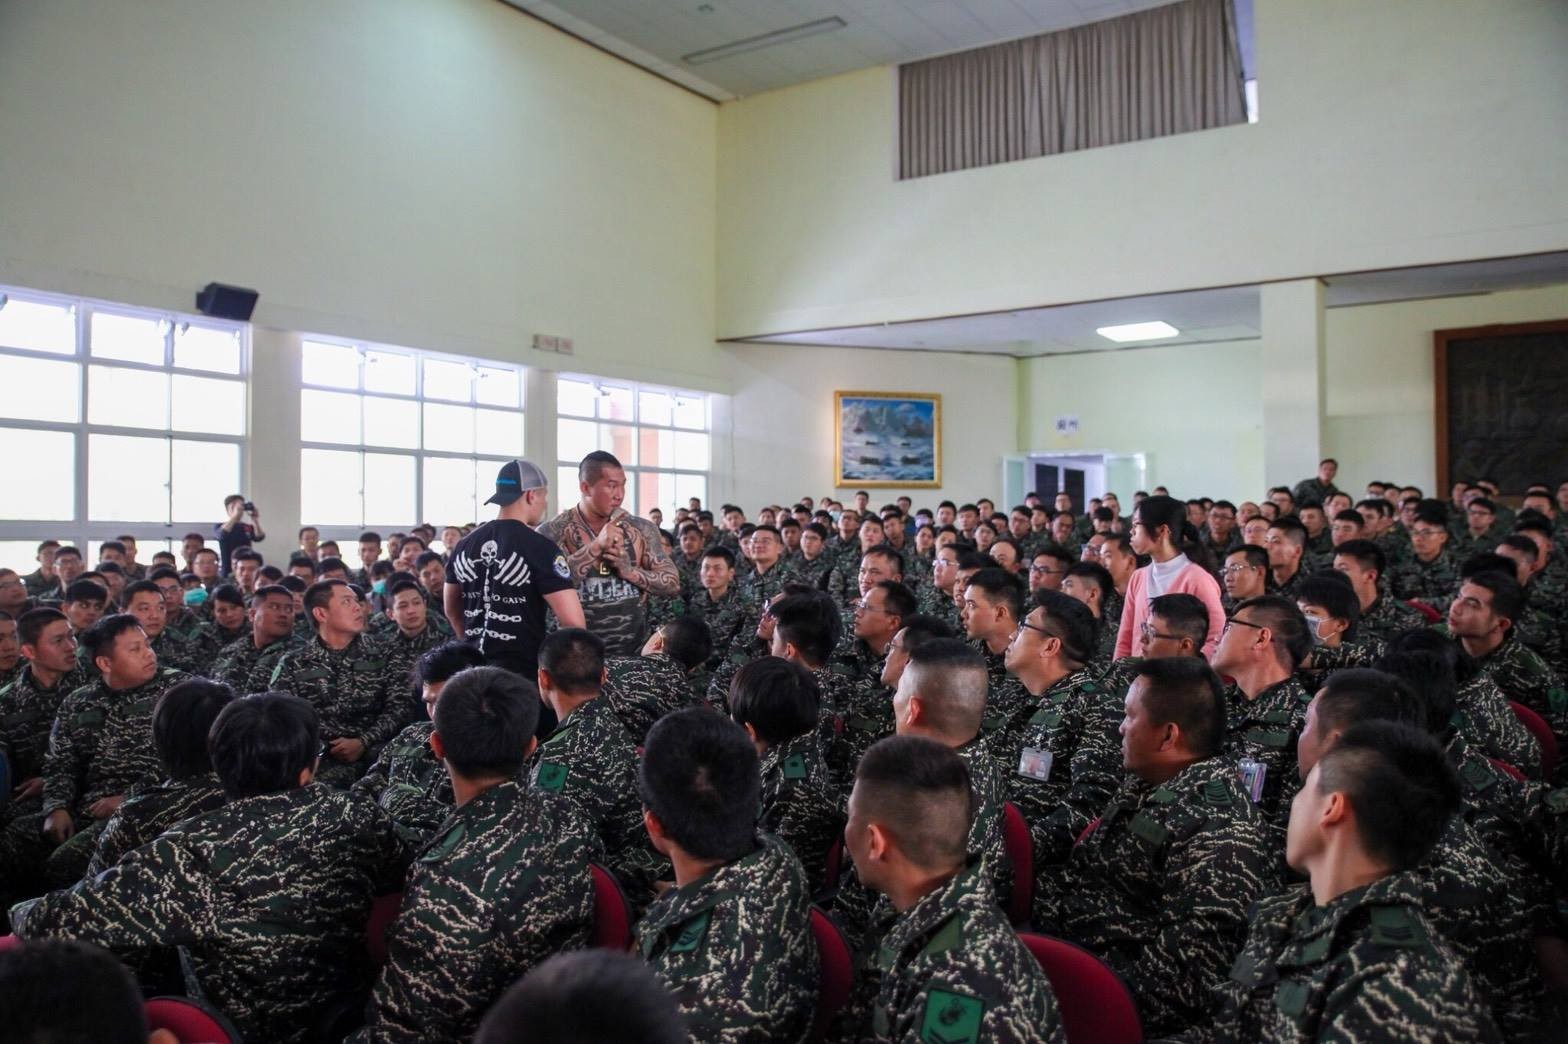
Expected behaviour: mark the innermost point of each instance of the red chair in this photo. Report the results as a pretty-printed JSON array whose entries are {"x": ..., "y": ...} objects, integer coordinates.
[
  {"x": 1507, "y": 769},
  {"x": 612, "y": 913},
  {"x": 10, "y": 942},
  {"x": 838, "y": 970},
  {"x": 1432, "y": 615},
  {"x": 191, "y": 1021},
  {"x": 1543, "y": 735},
  {"x": 835, "y": 865},
  {"x": 1096, "y": 1006},
  {"x": 1019, "y": 846},
  {"x": 383, "y": 911}
]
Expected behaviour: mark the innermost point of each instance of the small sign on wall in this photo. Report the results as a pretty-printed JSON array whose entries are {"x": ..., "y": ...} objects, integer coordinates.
[{"x": 1067, "y": 424}]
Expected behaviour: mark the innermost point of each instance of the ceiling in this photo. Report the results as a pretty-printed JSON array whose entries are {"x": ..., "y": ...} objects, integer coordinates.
[
  {"x": 1202, "y": 316},
  {"x": 668, "y": 37}
]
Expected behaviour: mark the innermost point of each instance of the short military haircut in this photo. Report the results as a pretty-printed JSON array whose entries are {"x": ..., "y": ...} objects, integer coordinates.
[
  {"x": 950, "y": 677},
  {"x": 228, "y": 594},
  {"x": 426, "y": 558},
  {"x": 1484, "y": 503},
  {"x": 1350, "y": 515},
  {"x": 381, "y": 568},
  {"x": 203, "y": 551},
  {"x": 1001, "y": 587},
  {"x": 1287, "y": 623},
  {"x": 897, "y": 599},
  {"x": 1522, "y": 543},
  {"x": 599, "y": 996},
  {"x": 485, "y": 719},
  {"x": 1056, "y": 552},
  {"x": 1366, "y": 554},
  {"x": 809, "y": 622},
  {"x": 701, "y": 779},
  {"x": 721, "y": 552},
  {"x": 778, "y": 699},
  {"x": 774, "y": 530},
  {"x": 1104, "y": 514},
  {"x": 293, "y": 584},
  {"x": 99, "y": 639},
  {"x": 1533, "y": 522},
  {"x": 440, "y": 664},
  {"x": 574, "y": 659},
  {"x": 1400, "y": 786},
  {"x": 68, "y": 551},
  {"x": 594, "y": 465},
  {"x": 919, "y": 791},
  {"x": 329, "y": 564},
  {"x": 1291, "y": 526},
  {"x": 90, "y": 591},
  {"x": 261, "y": 744},
  {"x": 181, "y": 720},
  {"x": 1432, "y": 512},
  {"x": 1256, "y": 556},
  {"x": 110, "y": 545},
  {"x": 319, "y": 595},
  {"x": 817, "y": 528},
  {"x": 1184, "y": 614},
  {"x": 30, "y": 627},
  {"x": 687, "y": 641},
  {"x": 163, "y": 572},
  {"x": 44, "y": 545},
  {"x": 1507, "y": 595},
  {"x": 246, "y": 554},
  {"x": 921, "y": 628},
  {"x": 1362, "y": 694},
  {"x": 1332, "y": 591},
  {"x": 1431, "y": 676},
  {"x": 1071, "y": 621},
  {"x": 969, "y": 558},
  {"x": 370, "y": 537},
  {"x": 266, "y": 591},
  {"x": 60, "y": 991},
  {"x": 269, "y": 573},
  {"x": 404, "y": 583},
  {"x": 886, "y": 552},
  {"x": 1378, "y": 504},
  {"x": 1185, "y": 691}
]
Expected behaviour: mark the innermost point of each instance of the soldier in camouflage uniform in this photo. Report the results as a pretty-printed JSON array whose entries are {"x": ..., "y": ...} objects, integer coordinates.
[
  {"x": 944, "y": 964},
  {"x": 1159, "y": 888},
  {"x": 408, "y": 780},
  {"x": 1061, "y": 751},
  {"x": 1320, "y": 487},
  {"x": 228, "y": 625},
  {"x": 144, "y": 601},
  {"x": 862, "y": 701},
  {"x": 247, "y": 664},
  {"x": 1262, "y": 646},
  {"x": 1431, "y": 573},
  {"x": 1091, "y": 584},
  {"x": 1362, "y": 963},
  {"x": 268, "y": 895},
  {"x": 721, "y": 604},
  {"x": 733, "y": 938},
  {"x": 181, "y": 721},
  {"x": 769, "y": 570},
  {"x": 616, "y": 560},
  {"x": 814, "y": 561},
  {"x": 993, "y": 603},
  {"x": 346, "y": 678},
  {"x": 1286, "y": 544},
  {"x": 937, "y": 598},
  {"x": 1365, "y": 565},
  {"x": 591, "y": 759},
  {"x": 777, "y": 702},
  {"x": 643, "y": 689},
  {"x": 414, "y": 633},
  {"x": 502, "y": 886}
]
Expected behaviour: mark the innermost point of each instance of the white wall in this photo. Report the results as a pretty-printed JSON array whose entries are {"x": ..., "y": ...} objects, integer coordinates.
[
  {"x": 1392, "y": 133},
  {"x": 783, "y": 418},
  {"x": 449, "y": 175}
]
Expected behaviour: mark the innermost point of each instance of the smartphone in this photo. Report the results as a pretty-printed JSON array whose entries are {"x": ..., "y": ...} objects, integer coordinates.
[{"x": 249, "y": 506}]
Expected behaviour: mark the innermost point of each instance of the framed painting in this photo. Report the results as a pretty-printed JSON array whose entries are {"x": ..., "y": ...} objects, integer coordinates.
[{"x": 888, "y": 440}]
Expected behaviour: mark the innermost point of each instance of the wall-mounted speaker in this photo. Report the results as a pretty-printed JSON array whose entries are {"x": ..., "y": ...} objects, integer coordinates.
[{"x": 222, "y": 301}]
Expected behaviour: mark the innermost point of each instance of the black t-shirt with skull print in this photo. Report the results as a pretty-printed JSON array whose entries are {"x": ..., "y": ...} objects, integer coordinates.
[{"x": 505, "y": 569}]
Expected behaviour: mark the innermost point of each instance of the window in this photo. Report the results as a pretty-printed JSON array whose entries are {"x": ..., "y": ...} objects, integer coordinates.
[
  {"x": 118, "y": 420},
  {"x": 660, "y": 435},
  {"x": 392, "y": 436}
]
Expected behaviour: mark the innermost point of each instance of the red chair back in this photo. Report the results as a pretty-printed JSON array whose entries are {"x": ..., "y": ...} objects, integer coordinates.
[
  {"x": 1096, "y": 1006},
  {"x": 383, "y": 911},
  {"x": 1507, "y": 770},
  {"x": 191, "y": 1021},
  {"x": 838, "y": 970},
  {"x": 10, "y": 942},
  {"x": 1019, "y": 846},
  {"x": 1543, "y": 735},
  {"x": 1432, "y": 615},
  {"x": 612, "y": 913}
]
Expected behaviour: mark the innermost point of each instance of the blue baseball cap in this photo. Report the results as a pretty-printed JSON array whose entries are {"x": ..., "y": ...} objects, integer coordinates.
[{"x": 515, "y": 478}]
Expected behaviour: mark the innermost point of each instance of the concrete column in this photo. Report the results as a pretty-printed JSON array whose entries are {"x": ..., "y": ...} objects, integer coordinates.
[
  {"x": 539, "y": 430},
  {"x": 1293, "y": 375},
  {"x": 272, "y": 451}
]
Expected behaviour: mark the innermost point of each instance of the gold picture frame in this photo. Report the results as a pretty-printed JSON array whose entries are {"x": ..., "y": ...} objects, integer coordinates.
[{"x": 887, "y": 440}]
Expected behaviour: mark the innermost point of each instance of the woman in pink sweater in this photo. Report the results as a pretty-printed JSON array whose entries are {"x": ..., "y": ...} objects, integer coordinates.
[{"x": 1158, "y": 525}]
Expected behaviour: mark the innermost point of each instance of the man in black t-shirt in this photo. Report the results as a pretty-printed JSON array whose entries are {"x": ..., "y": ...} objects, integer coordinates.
[{"x": 502, "y": 576}]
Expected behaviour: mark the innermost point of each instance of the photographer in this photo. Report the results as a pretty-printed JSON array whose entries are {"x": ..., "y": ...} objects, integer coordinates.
[{"x": 235, "y": 532}]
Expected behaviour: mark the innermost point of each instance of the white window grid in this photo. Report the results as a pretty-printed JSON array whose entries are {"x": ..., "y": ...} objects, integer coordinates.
[
  {"x": 409, "y": 448},
  {"x": 81, "y": 529},
  {"x": 691, "y": 414}
]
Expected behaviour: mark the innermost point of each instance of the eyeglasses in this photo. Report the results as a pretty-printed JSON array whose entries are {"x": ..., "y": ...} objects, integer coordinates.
[
  {"x": 1245, "y": 623},
  {"x": 1047, "y": 570},
  {"x": 1150, "y": 634},
  {"x": 1234, "y": 568},
  {"x": 1025, "y": 625},
  {"x": 860, "y": 606},
  {"x": 1427, "y": 532}
]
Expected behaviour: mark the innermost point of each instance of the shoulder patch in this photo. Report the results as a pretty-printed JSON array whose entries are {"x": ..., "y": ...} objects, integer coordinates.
[
  {"x": 1476, "y": 774},
  {"x": 1148, "y": 829},
  {"x": 947, "y": 937},
  {"x": 445, "y": 845},
  {"x": 794, "y": 767},
  {"x": 562, "y": 570},
  {"x": 1557, "y": 801},
  {"x": 1396, "y": 926},
  {"x": 551, "y": 776},
  {"x": 1216, "y": 793},
  {"x": 951, "y": 1017},
  {"x": 692, "y": 933},
  {"x": 1089, "y": 687},
  {"x": 1557, "y": 699}
]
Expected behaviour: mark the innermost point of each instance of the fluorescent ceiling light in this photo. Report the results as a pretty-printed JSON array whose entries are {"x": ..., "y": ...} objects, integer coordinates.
[
  {"x": 757, "y": 43},
  {"x": 1138, "y": 331}
]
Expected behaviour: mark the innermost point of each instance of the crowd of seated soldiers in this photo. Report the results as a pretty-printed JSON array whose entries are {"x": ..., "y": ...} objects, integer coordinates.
[{"x": 1287, "y": 767}]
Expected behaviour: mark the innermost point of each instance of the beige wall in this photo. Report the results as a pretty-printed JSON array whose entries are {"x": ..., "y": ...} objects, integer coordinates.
[
  {"x": 449, "y": 175},
  {"x": 1392, "y": 133}
]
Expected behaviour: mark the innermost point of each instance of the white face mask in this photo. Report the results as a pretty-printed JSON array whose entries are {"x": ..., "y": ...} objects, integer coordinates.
[{"x": 1316, "y": 623}]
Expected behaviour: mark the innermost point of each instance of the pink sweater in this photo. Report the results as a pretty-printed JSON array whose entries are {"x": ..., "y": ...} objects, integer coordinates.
[{"x": 1193, "y": 580}]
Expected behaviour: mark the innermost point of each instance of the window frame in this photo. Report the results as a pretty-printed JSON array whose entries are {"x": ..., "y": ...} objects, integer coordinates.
[{"x": 637, "y": 424}]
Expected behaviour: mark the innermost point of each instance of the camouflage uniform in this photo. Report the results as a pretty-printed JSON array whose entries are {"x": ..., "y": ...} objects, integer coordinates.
[
  {"x": 1434, "y": 583},
  {"x": 248, "y": 669},
  {"x": 27, "y": 713},
  {"x": 864, "y": 706},
  {"x": 689, "y": 570},
  {"x": 402, "y": 654},
  {"x": 352, "y": 689},
  {"x": 591, "y": 759},
  {"x": 1063, "y": 753},
  {"x": 1265, "y": 730},
  {"x": 1160, "y": 888},
  {"x": 267, "y": 895},
  {"x": 1388, "y": 616},
  {"x": 185, "y": 623},
  {"x": 615, "y": 608},
  {"x": 1542, "y": 632},
  {"x": 735, "y": 948},
  {"x": 410, "y": 784},
  {"x": 800, "y": 806},
  {"x": 757, "y": 588},
  {"x": 1525, "y": 678},
  {"x": 813, "y": 571},
  {"x": 935, "y": 602},
  {"x": 1005, "y": 696},
  {"x": 37, "y": 585},
  {"x": 643, "y": 689},
  {"x": 950, "y": 968},
  {"x": 1482, "y": 715},
  {"x": 148, "y": 812},
  {"x": 176, "y": 651},
  {"x": 1111, "y": 616},
  {"x": 1287, "y": 589},
  {"x": 209, "y": 643},
  {"x": 1361, "y": 651},
  {"x": 502, "y": 887},
  {"x": 1363, "y": 967},
  {"x": 732, "y": 617},
  {"x": 1313, "y": 489},
  {"x": 844, "y": 580}
]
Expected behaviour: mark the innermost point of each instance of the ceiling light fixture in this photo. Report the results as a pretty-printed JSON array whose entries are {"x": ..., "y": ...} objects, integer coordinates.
[
  {"x": 757, "y": 43},
  {"x": 1137, "y": 332}
]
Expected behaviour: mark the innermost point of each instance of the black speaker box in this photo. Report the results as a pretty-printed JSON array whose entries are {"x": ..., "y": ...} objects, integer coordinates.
[{"x": 222, "y": 301}]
